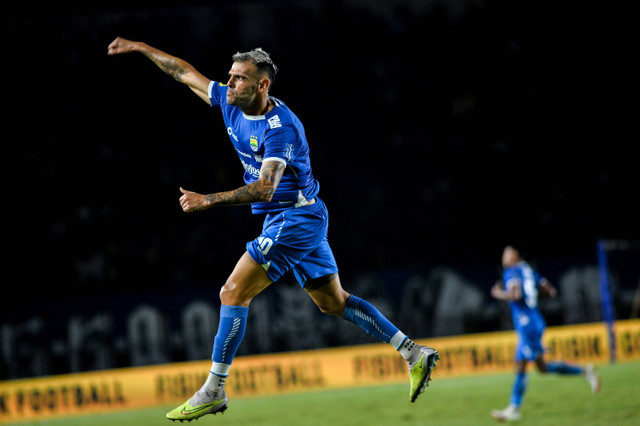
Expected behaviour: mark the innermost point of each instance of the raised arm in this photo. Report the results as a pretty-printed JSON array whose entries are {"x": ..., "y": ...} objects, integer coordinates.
[
  {"x": 177, "y": 68},
  {"x": 259, "y": 191}
]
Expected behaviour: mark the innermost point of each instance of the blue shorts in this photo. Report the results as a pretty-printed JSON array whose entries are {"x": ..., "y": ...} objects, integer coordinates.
[
  {"x": 296, "y": 240},
  {"x": 530, "y": 330}
]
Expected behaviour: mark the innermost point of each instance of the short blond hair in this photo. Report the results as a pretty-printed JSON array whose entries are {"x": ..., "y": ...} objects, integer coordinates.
[{"x": 260, "y": 59}]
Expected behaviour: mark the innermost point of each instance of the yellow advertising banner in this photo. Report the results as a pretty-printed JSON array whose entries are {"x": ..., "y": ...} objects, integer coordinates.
[{"x": 130, "y": 388}]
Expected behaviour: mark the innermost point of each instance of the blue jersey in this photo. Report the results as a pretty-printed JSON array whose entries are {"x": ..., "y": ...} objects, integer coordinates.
[
  {"x": 275, "y": 136},
  {"x": 525, "y": 311}
]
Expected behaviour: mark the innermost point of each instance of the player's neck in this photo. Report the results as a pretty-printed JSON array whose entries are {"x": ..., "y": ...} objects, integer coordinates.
[{"x": 260, "y": 107}]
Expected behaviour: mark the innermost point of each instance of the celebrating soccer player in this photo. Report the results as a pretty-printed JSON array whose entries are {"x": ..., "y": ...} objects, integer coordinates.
[{"x": 271, "y": 143}]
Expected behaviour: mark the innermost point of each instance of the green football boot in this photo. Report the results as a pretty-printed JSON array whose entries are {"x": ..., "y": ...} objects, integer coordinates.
[
  {"x": 203, "y": 402},
  {"x": 420, "y": 371}
]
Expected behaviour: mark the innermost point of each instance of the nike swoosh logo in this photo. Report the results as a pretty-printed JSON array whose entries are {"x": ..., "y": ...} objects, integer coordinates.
[{"x": 197, "y": 409}]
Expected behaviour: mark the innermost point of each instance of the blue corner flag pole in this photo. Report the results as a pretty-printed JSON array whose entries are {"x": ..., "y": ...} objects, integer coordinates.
[{"x": 608, "y": 311}]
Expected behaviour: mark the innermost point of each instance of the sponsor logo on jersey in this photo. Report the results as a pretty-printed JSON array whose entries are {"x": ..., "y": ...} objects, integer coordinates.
[
  {"x": 230, "y": 132},
  {"x": 253, "y": 171},
  {"x": 274, "y": 122}
]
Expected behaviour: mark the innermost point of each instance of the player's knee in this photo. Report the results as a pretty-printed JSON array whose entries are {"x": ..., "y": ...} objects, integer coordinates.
[
  {"x": 225, "y": 294},
  {"x": 230, "y": 295}
]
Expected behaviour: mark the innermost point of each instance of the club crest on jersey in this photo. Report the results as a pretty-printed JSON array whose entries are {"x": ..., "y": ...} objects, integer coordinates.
[{"x": 253, "y": 141}]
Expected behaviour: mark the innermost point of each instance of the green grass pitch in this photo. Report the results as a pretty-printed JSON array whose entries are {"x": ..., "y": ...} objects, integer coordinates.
[{"x": 550, "y": 400}]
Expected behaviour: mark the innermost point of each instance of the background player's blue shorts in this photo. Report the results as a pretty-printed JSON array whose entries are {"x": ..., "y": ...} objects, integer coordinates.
[
  {"x": 529, "y": 345},
  {"x": 296, "y": 240}
]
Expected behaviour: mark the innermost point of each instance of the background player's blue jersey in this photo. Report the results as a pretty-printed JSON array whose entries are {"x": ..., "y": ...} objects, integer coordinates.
[
  {"x": 277, "y": 135},
  {"x": 525, "y": 311}
]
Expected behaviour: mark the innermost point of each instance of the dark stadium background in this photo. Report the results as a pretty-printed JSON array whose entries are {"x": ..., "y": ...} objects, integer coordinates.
[{"x": 439, "y": 131}]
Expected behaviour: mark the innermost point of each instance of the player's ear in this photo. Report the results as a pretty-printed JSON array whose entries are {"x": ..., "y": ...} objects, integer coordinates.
[{"x": 264, "y": 84}]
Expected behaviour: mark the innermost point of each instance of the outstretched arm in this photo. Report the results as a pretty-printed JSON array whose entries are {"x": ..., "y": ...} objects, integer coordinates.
[
  {"x": 177, "y": 68},
  {"x": 547, "y": 289},
  {"x": 259, "y": 191}
]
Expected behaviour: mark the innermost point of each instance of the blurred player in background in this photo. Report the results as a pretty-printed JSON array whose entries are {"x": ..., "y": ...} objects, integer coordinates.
[
  {"x": 521, "y": 286},
  {"x": 272, "y": 146}
]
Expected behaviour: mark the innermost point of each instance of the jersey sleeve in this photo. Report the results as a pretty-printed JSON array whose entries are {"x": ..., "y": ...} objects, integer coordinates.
[
  {"x": 217, "y": 93},
  {"x": 280, "y": 144}
]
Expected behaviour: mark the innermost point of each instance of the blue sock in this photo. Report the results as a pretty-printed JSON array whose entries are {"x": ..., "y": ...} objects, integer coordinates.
[
  {"x": 518, "y": 389},
  {"x": 365, "y": 315},
  {"x": 233, "y": 322},
  {"x": 562, "y": 368}
]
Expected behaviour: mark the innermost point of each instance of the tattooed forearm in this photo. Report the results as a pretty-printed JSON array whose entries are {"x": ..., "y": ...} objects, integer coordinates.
[
  {"x": 252, "y": 193},
  {"x": 255, "y": 192},
  {"x": 170, "y": 65}
]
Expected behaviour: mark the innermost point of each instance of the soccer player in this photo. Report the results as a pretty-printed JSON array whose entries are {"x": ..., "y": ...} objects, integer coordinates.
[
  {"x": 271, "y": 143},
  {"x": 521, "y": 286}
]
